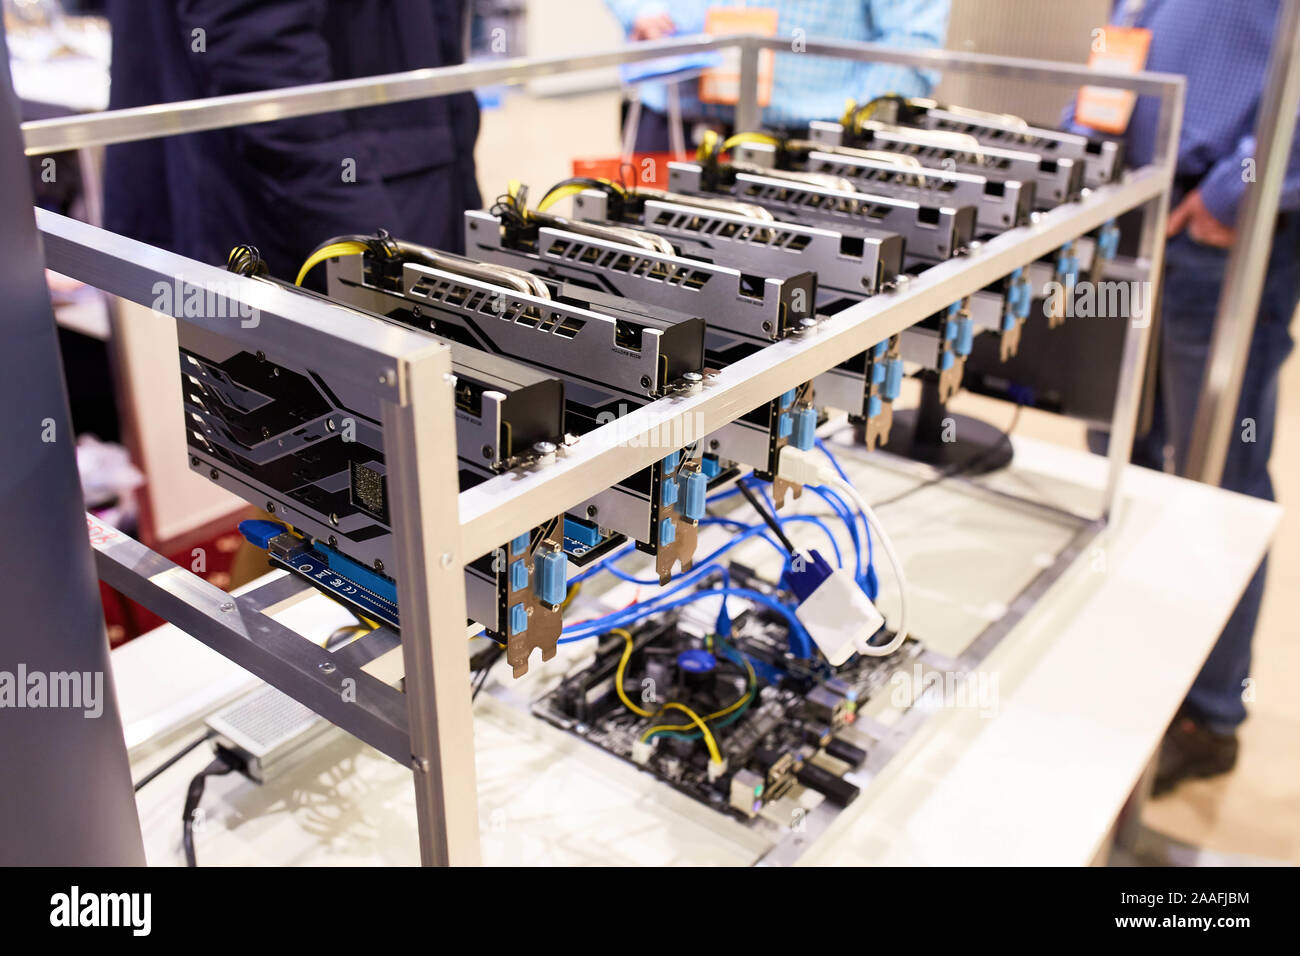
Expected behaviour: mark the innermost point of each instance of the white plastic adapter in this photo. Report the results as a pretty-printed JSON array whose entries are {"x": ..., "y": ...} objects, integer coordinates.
[
  {"x": 803, "y": 468},
  {"x": 839, "y": 617}
]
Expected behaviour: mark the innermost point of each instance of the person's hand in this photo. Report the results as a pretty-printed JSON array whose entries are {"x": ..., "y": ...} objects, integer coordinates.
[
  {"x": 653, "y": 27},
  {"x": 1200, "y": 223}
]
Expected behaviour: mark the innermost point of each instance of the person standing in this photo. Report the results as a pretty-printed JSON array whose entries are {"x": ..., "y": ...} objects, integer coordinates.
[
  {"x": 288, "y": 185},
  {"x": 805, "y": 87},
  {"x": 1223, "y": 50}
]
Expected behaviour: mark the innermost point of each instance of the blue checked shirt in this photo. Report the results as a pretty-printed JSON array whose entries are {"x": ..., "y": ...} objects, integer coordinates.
[
  {"x": 1222, "y": 48},
  {"x": 807, "y": 87}
]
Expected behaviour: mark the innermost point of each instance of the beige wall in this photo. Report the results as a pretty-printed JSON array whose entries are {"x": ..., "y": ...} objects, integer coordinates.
[
  {"x": 1043, "y": 29},
  {"x": 558, "y": 27}
]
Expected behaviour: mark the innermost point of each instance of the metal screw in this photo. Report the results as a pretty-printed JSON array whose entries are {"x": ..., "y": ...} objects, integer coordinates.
[
  {"x": 334, "y": 520},
  {"x": 228, "y": 606},
  {"x": 591, "y": 511},
  {"x": 379, "y": 565},
  {"x": 327, "y": 667},
  {"x": 487, "y": 451},
  {"x": 213, "y": 474},
  {"x": 447, "y": 559},
  {"x": 270, "y": 507},
  {"x": 333, "y": 541},
  {"x": 714, "y": 445},
  {"x": 645, "y": 381},
  {"x": 261, "y": 356},
  {"x": 386, "y": 377},
  {"x": 329, "y": 424},
  {"x": 194, "y": 460}
]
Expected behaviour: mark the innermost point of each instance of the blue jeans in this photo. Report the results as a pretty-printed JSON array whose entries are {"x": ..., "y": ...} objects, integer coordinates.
[{"x": 1193, "y": 279}]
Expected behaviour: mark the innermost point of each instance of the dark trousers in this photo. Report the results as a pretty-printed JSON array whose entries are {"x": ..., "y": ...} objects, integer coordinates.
[
  {"x": 652, "y": 133},
  {"x": 1193, "y": 279}
]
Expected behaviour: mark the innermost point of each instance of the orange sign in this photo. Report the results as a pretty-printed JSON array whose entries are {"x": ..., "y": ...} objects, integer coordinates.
[
  {"x": 721, "y": 84},
  {"x": 1104, "y": 108}
]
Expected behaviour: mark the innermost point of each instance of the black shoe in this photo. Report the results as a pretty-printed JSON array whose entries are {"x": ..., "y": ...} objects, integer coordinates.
[{"x": 1191, "y": 750}]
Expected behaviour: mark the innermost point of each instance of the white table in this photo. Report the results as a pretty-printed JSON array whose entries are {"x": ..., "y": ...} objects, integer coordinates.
[{"x": 1086, "y": 683}]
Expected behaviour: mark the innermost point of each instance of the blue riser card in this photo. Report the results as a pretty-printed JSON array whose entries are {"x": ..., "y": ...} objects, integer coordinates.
[{"x": 369, "y": 592}]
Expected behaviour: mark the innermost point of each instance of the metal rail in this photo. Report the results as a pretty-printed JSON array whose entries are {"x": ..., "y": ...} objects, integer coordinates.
[
  {"x": 265, "y": 106},
  {"x": 239, "y": 628},
  {"x": 1243, "y": 283}
]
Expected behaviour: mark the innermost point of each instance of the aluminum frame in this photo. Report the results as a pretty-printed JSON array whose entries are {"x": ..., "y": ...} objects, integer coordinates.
[{"x": 443, "y": 532}]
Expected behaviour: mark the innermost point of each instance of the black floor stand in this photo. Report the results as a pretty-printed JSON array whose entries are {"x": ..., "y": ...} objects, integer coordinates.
[{"x": 976, "y": 447}]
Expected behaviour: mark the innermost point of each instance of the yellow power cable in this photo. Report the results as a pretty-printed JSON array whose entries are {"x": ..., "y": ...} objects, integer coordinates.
[
  {"x": 714, "y": 753},
  {"x": 363, "y": 628},
  {"x": 708, "y": 143},
  {"x": 561, "y": 192},
  {"x": 568, "y": 598},
  {"x": 618, "y": 678},
  {"x": 345, "y": 248},
  {"x": 556, "y": 193},
  {"x": 726, "y": 710},
  {"x": 514, "y": 188},
  {"x": 850, "y": 108},
  {"x": 855, "y": 116},
  {"x": 739, "y": 138},
  {"x": 696, "y": 720}
]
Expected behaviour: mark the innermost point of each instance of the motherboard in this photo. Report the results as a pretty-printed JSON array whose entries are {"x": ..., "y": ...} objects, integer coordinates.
[{"x": 738, "y": 722}]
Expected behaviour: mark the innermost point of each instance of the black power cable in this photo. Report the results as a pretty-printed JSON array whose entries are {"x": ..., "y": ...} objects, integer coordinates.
[
  {"x": 490, "y": 657},
  {"x": 763, "y": 513},
  {"x": 222, "y": 764},
  {"x": 172, "y": 760}
]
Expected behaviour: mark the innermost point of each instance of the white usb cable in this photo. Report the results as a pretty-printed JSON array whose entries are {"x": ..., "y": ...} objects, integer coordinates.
[{"x": 803, "y": 468}]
